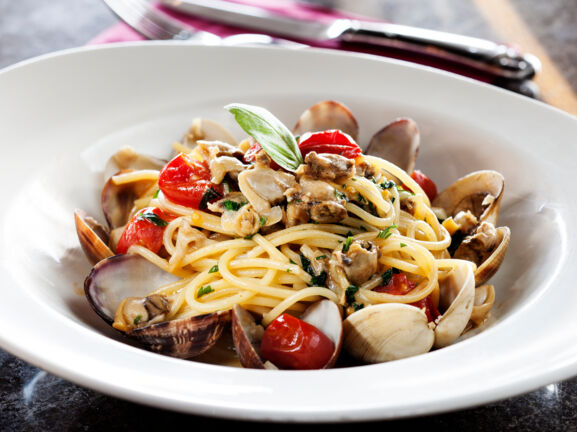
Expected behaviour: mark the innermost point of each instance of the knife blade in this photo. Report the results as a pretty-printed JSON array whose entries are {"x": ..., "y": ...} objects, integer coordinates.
[{"x": 481, "y": 56}]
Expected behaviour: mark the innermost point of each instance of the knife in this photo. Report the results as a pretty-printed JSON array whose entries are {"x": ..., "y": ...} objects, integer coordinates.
[{"x": 480, "y": 56}]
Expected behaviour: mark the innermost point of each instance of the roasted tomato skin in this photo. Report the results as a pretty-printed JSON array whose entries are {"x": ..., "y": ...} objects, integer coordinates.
[
  {"x": 401, "y": 285},
  {"x": 428, "y": 185},
  {"x": 332, "y": 141},
  {"x": 290, "y": 343},
  {"x": 185, "y": 181},
  {"x": 143, "y": 231}
]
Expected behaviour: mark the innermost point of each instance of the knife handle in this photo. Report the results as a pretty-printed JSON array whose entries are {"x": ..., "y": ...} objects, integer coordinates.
[{"x": 486, "y": 56}]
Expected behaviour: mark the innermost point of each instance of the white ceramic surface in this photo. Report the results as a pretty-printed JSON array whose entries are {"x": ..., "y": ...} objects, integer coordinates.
[{"x": 62, "y": 115}]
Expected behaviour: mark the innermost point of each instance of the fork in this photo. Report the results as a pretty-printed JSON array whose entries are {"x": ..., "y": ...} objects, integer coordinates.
[{"x": 152, "y": 24}]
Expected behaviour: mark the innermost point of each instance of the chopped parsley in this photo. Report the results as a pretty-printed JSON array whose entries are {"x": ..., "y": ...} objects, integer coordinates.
[
  {"x": 347, "y": 244},
  {"x": 316, "y": 280},
  {"x": 156, "y": 193},
  {"x": 388, "y": 184},
  {"x": 232, "y": 205},
  {"x": 213, "y": 269},
  {"x": 262, "y": 220},
  {"x": 137, "y": 319},
  {"x": 403, "y": 245},
  {"x": 153, "y": 218},
  {"x": 388, "y": 275},
  {"x": 207, "y": 289},
  {"x": 350, "y": 294},
  {"x": 320, "y": 257},
  {"x": 386, "y": 233}
]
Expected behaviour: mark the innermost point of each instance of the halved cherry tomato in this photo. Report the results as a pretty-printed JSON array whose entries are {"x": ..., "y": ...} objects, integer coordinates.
[
  {"x": 185, "y": 181},
  {"x": 401, "y": 285},
  {"x": 291, "y": 343},
  {"x": 146, "y": 228},
  {"x": 428, "y": 186},
  {"x": 332, "y": 141}
]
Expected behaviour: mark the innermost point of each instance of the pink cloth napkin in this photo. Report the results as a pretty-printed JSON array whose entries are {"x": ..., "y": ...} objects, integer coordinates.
[{"x": 123, "y": 33}]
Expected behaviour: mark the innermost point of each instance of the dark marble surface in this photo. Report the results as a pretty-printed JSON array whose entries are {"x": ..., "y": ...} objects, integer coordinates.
[{"x": 33, "y": 400}]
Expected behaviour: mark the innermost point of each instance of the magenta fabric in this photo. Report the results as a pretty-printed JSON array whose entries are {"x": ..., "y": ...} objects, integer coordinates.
[{"x": 123, "y": 33}]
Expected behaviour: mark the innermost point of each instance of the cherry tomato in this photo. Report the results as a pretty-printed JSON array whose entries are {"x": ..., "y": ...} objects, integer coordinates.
[
  {"x": 401, "y": 285},
  {"x": 429, "y": 307},
  {"x": 428, "y": 186},
  {"x": 331, "y": 141},
  {"x": 185, "y": 181},
  {"x": 146, "y": 228},
  {"x": 291, "y": 343},
  {"x": 398, "y": 285}
]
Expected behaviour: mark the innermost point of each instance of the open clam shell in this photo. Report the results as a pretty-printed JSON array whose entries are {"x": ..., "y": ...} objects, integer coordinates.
[
  {"x": 327, "y": 115},
  {"x": 122, "y": 276},
  {"x": 247, "y": 333},
  {"x": 479, "y": 192},
  {"x": 489, "y": 262},
  {"x": 457, "y": 298},
  {"x": 129, "y": 159},
  {"x": 118, "y": 199},
  {"x": 386, "y": 332},
  {"x": 398, "y": 142},
  {"x": 93, "y": 237}
]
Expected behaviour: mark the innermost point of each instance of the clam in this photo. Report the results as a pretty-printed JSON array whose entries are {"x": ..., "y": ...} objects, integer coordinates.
[
  {"x": 207, "y": 130},
  {"x": 118, "y": 289},
  {"x": 93, "y": 237},
  {"x": 457, "y": 298},
  {"x": 118, "y": 199},
  {"x": 386, "y": 332},
  {"x": 247, "y": 333},
  {"x": 479, "y": 192},
  {"x": 327, "y": 115},
  {"x": 128, "y": 158},
  {"x": 398, "y": 142},
  {"x": 392, "y": 331},
  {"x": 486, "y": 247}
]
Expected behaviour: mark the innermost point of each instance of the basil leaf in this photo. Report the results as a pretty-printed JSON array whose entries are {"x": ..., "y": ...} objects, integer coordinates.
[{"x": 274, "y": 137}]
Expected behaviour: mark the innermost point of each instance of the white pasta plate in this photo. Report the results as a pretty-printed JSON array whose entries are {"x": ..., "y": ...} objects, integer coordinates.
[{"x": 64, "y": 114}]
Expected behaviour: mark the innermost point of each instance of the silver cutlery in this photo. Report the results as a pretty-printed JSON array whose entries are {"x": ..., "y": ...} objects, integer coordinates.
[{"x": 483, "y": 55}]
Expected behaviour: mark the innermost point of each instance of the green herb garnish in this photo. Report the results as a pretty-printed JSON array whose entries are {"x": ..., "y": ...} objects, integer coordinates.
[
  {"x": 386, "y": 233},
  {"x": 387, "y": 276},
  {"x": 403, "y": 245},
  {"x": 213, "y": 269},
  {"x": 232, "y": 205},
  {"x": 262, "y": 220},
  {"x": 137, "y": 319},
  {"x": 350, "y": 293},
  {"x": 274, "y": 137},
  {"x": 204, "y": 291},
  {"x": 316, "y": 280},
  {"x": 152, "y": 218},
  {"x": 320, "y": 257},
  {"x": 209, "y": 195},
  {"x": 388, "y": 184},
  {"x": 347, "y": 244}
]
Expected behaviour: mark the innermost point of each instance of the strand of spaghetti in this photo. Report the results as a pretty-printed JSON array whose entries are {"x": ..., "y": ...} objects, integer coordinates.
[
  {"x": 248, "y": 284},
  {"x": 270, "y": 264},
  {"x": 399, "y": 173},
  {"x": 329, "y": 240},
  {"x": 216, "y": 249},
  {"x": 269, "y": 248},
  {"x": 369, "y": 218},
  {"x": 359, "y": 224},
  {"x": 373, "y": 193},
  {"x": 198, "y": 218},
  {"x": 135, "y": 176},
  {"x": 156, "y": 260},
  {"x": 297, "y": 296}
]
